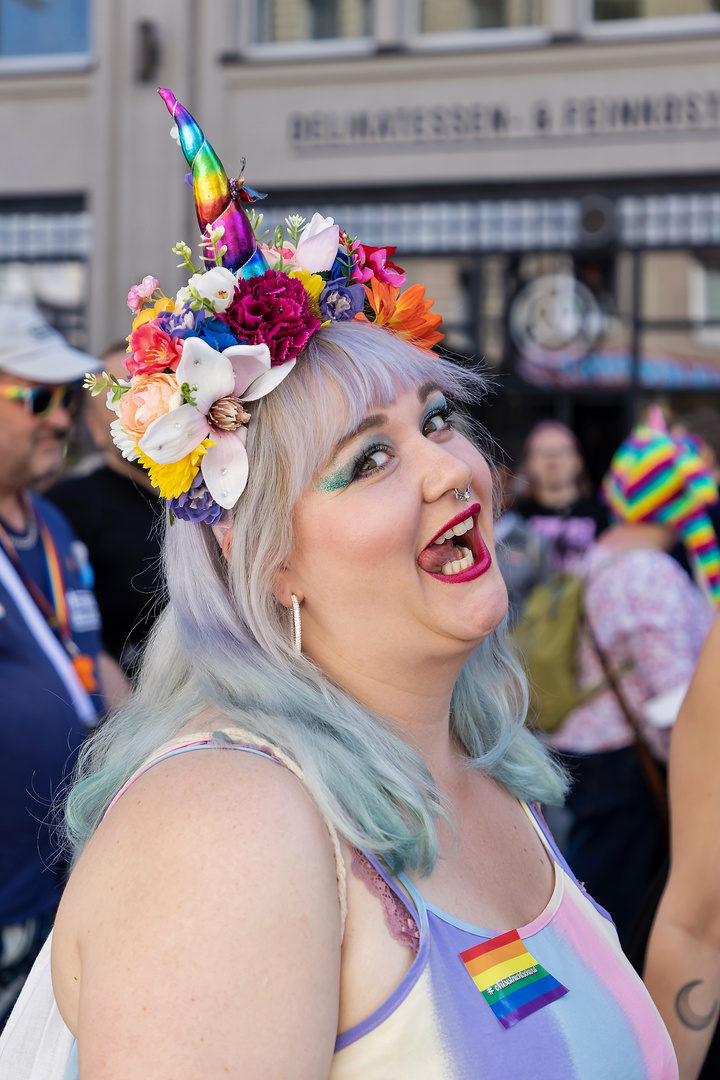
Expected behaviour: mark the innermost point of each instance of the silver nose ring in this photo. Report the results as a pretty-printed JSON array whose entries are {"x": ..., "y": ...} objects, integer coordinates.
[{"x": 465, "y": 495}]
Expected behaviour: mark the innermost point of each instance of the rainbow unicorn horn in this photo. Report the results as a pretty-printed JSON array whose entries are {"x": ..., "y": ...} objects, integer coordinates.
[{"x": 217, "y": 199}]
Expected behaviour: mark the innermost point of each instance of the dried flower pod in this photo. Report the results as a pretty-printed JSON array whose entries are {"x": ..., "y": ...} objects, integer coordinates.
[{"x": 228, "y": 414}]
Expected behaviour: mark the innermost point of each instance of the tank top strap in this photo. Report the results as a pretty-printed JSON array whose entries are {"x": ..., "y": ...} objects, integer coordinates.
[
  {"x": 235, "y": 738},
  {"x": 534, "y": 812}
]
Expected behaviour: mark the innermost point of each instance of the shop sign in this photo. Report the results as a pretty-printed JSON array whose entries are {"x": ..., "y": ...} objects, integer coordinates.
[{"x": 564, "y": 119}]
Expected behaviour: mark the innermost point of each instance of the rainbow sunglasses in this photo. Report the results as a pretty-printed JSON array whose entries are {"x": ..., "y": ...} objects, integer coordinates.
[{"x": 41, "y": 400}]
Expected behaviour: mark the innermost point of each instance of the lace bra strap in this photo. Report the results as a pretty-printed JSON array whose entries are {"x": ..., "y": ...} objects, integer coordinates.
[{"x": 239, "y": 739}]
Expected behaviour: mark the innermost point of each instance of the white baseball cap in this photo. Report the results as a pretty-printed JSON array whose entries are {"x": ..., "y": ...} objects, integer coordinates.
[{"x": 32, "y": 349}]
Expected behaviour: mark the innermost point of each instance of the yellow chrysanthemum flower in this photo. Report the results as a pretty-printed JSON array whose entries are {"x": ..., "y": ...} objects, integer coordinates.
[
  {"x": 165, "y": 303},
  {"x": 313, "y": 284},
  {"x": 171, "y": 480}
]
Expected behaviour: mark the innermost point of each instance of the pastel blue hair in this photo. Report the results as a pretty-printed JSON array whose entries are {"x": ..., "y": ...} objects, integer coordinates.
[{"x": 223, "y": 643}]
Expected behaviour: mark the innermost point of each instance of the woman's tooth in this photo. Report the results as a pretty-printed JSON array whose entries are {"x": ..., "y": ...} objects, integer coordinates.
[
  {"x": 458, "y": 565},
  {"x": 440, "y": 540}
]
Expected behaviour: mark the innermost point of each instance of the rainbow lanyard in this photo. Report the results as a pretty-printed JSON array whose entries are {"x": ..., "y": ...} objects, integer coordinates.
[{"x": 56, "y": 613}]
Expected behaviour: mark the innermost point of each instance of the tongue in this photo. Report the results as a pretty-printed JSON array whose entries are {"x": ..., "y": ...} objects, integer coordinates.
[{"x": 433, "y": 558}]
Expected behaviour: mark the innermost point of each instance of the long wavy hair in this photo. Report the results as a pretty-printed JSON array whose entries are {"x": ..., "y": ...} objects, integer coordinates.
[{"x": 223, "y": 640}]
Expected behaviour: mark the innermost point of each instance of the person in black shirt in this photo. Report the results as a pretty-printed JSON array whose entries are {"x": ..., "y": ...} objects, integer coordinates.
[
  {"x": 115, "y": 511},
  {"x": 558, "y": 503}
]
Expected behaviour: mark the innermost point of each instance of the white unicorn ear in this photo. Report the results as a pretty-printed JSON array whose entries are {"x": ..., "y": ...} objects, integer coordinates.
[{"x": 222, "y": 531}]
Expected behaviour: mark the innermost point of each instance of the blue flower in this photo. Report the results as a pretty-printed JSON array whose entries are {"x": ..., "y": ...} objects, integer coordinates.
[
  {"x": 214, "y": 331},
  {"x": 340, "y": 301},
  {"x": 343, "y": 265}
]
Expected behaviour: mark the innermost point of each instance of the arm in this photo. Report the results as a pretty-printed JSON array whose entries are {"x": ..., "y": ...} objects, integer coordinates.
[
  {"x": 114, "y": 685},
  {"x": 683, "y": 961},
  {"x": 208, "y": 928}
]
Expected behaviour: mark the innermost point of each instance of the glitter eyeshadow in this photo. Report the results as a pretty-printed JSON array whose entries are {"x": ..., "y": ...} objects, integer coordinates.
[{"x": 337, "y": 480}]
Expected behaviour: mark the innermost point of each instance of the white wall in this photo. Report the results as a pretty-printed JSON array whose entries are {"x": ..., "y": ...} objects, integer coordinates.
[{"x": 99, "y": 132}]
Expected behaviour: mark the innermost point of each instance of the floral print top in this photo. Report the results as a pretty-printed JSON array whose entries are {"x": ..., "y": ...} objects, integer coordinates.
[{"x": 649, "y": 618}]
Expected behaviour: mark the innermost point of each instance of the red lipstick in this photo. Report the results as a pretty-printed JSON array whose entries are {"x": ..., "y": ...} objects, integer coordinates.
[{"x": 483, "y": 559}]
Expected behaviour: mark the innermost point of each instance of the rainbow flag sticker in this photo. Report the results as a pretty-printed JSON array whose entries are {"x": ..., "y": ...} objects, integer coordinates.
[{"x": 511, "y": 981}]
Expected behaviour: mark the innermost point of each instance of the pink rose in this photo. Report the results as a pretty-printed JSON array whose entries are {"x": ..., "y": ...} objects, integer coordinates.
[
  {"x": 272, "y": 256},
  {"x": 148, "y": 398},
  {"x": 152, "y": 350}
]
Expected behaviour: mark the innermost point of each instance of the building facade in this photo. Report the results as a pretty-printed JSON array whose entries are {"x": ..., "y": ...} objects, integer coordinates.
[{"x": 549, "y": 169}]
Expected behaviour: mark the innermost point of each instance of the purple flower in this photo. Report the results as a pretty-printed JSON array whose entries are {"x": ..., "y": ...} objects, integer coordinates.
[
  {"x": 273, "y": 310},
  {"x": 196, "y": 504},
  {"x": 177, "y": 324},
  {"x": 340, "y": 301}
]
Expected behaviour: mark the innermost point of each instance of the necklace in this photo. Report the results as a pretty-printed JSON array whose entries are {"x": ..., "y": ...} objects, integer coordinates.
[{"x": 29, "y": 540}]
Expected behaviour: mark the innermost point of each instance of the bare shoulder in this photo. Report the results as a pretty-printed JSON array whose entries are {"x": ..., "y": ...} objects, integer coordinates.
[
  {"x": 211, "y": 881},
  {"x": 222, "y": 806}
]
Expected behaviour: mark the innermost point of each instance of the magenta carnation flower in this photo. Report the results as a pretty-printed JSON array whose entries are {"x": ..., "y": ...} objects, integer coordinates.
[{"x": 273, "y": 310}]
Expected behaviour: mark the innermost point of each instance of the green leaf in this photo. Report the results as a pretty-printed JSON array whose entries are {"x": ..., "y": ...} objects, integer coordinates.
[
  {"x": 187, "y": 392},
  {"x": 256, "y": 223}
]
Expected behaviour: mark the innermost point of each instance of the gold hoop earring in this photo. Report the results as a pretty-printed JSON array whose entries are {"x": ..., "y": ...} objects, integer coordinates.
[{"x": 295, "y": 627}]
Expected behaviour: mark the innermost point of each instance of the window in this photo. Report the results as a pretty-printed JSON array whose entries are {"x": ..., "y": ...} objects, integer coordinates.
[
  {"x": 44, "y": 263},
  {"x": 310, "y": 20},
  {"x": 680, "y": 309},
  {"x": 448, "y": 16},
  {"x": 650, "y": 9},
  {"x": 44, "y": 27}
]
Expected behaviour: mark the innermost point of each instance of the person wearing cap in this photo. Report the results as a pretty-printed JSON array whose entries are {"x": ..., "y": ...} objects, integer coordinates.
[
  {"x": 55, "y": 677},
  {"x": 645, "y": 623}
]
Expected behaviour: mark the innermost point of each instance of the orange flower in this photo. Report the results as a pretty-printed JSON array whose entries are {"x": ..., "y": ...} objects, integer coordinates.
[{"x": 408, "y": 315}]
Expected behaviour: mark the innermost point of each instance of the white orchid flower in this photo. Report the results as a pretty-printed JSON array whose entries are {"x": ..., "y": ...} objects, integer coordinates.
[
  {"x": 216, "y": 285},
  {"x": 318, "y": 245},
  {"x": 240, "y": 373}
]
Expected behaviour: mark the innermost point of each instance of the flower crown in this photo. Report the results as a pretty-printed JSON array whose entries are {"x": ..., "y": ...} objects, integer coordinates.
[{"x": 233, "y": 333}]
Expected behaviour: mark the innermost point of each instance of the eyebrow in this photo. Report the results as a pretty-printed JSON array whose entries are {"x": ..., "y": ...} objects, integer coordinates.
[
  {"x": 378, "y": 419},
  {"x": 426, "y": 390}
]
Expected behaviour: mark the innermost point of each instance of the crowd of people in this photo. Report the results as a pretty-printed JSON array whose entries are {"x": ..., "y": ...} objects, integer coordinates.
[{"x": 332, "y": 600}]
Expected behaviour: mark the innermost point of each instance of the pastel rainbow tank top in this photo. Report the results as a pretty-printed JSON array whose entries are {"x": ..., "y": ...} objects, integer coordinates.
[
  {"x": 582, "y": 1013},
  {"x": 553, "y": 1000}
]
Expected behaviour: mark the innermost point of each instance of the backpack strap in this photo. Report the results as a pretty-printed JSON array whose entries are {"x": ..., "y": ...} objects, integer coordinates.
[{"x": 235, "y": 738}]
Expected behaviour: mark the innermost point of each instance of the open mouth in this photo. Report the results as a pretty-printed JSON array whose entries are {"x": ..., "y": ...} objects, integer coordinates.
[{"x": 458, "y": 552}]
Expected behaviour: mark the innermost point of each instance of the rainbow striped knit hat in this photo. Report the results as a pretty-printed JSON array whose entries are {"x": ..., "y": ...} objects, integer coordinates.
[{"x": 654, "y": 477}]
